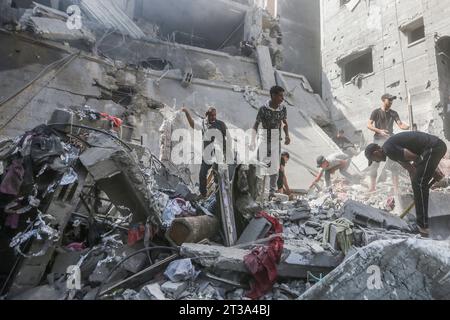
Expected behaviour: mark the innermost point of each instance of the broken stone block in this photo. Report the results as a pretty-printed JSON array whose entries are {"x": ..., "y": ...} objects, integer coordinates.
[
  {"x": 46, "y": 292},
  {"x": 367, "y": 216},
  {"x": 256, "y": 229},
  {"x": 411, "y": 269},
  {"x": 299, "y": 214},
  {"x": 152, "y": 292},
  {"x": 309, "y": 231},
  {"x": 439, "y": 215},
  {"x": 116, "y": 171},
  {"x": 103, "y": 270},
  {"x": 135, "y": 263},
  {"x": 64, "y": 260},
  {"x": 175, "y": 289}
]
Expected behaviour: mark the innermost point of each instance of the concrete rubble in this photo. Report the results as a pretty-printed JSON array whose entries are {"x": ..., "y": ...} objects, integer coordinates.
[{"x": 93, "y": 208}]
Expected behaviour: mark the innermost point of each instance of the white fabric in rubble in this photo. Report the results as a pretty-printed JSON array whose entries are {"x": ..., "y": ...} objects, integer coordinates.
[
  {"x": 166, "y": 140},
  {"x": 181, "y": 270},
  {"x": 39, "y": 230},
  {"x": 69, "y": 177}
]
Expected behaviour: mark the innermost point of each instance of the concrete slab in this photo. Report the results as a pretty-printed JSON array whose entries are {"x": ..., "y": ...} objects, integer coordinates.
[{"x": 362, "y": 214}]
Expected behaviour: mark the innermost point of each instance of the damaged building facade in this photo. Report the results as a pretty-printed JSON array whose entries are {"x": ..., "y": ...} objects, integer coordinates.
[
  {"x": 93, "y": 206},
  {"x": 375, "y": 46}
]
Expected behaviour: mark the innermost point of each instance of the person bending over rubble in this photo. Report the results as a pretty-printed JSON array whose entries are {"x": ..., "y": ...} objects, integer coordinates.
[
  {"x": 382, "y": 123},
  {"x": 332, "y": 163},
  {"x": 420, "y": 154},
  {"x": 283, "y": 186},
  {"x": 209, "y": 123}
]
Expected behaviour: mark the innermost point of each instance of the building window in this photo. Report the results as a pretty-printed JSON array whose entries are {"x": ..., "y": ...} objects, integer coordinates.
[
  {"x": 414, "y": 31},
  {"x": 357, "y": 64}
]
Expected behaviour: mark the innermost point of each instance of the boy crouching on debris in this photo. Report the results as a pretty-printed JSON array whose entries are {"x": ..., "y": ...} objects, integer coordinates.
[
  {"x": 329, "y": 165},
  {"x": 420, "y": 154}
]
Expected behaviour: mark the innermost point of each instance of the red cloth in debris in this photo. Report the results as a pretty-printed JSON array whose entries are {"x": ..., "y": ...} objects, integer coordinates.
[
  {"x": 262, "y": 262},
  {"x": 135, "y": 234},
  {"x": 116, "y": 121}
]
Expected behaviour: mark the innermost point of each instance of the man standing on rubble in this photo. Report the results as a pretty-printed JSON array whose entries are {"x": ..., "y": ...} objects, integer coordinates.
[
  {"x": 382, "y": 123},
  {"x": 329, "y": 165},
  {"x": 420, "y": 154},
  {"x": 272, "y": 117},
  {"x": 209, "y": 123}
]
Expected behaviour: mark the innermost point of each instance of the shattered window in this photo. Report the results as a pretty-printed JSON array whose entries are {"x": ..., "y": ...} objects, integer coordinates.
[{"x": 360, "y": 64}]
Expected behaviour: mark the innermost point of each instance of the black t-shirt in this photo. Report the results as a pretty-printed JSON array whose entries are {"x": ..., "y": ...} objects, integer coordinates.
[
  {"x": 271, "y": 119},
  {"x": 416, "y": 142},
  {"x": 219, "y": 125},
  {"x": 384, "y": 120}
]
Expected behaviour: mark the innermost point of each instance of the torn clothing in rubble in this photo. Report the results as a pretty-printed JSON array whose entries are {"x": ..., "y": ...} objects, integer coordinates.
[
  {"x": 13, "y": 179},
  {"x": 262, "y": 261}
]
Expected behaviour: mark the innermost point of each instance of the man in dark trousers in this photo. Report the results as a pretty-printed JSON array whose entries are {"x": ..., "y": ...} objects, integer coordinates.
[
  {"x": 382, "y": 124},
  {"x": 209, "y": 123},
  {"x": 420, "y": 154}
]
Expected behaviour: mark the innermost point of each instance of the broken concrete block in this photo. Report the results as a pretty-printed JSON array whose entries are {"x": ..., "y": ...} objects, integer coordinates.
[
  {"x": 174, "y": 288},
  {"x": 367, "y": 216},
  {"x": 411, "y": 269},
  {"x": 117, "y": 173},
  {"x": 46, "y": 292},
  {"x": 309, "y": 231},
  {"x": 135, "y": 263},
  {"x": 64, "y": 260},
  {"x": 152, "y": 292},
  {"x": 439, "y": 215},
  {"x": 296, "y": 260},
  {"x": 257, "y": 229},
  {"x": 299, "y": 214}
]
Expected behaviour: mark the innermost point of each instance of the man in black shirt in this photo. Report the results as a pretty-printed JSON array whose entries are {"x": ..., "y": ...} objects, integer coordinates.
[
  {"x": 209, "y": 123},
  {"x": 420, "y": 154},
  {"x": 382, "y": 123}
]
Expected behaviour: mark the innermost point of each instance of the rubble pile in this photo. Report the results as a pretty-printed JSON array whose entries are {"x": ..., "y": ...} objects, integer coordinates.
[{"x": 87, "y": 216}]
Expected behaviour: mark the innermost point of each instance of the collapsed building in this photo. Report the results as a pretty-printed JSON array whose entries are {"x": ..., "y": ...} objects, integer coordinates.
[{"x": 92, "y": 205}]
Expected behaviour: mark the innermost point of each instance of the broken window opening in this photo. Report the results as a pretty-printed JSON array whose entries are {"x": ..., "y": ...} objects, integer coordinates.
[
  {"x": 414, "y": 31},
  {"x": 356, "y": 65}
]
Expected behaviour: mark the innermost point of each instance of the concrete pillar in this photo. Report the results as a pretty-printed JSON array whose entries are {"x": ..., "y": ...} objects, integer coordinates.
[
  {"x": 55, "y": 4},
  {"x": 266, "y": 69}
]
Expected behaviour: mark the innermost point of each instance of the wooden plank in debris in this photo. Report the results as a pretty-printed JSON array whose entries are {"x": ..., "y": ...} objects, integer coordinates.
[
  {"x": 226, "y": 206},
  {"x": 143, "y": 276}
]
